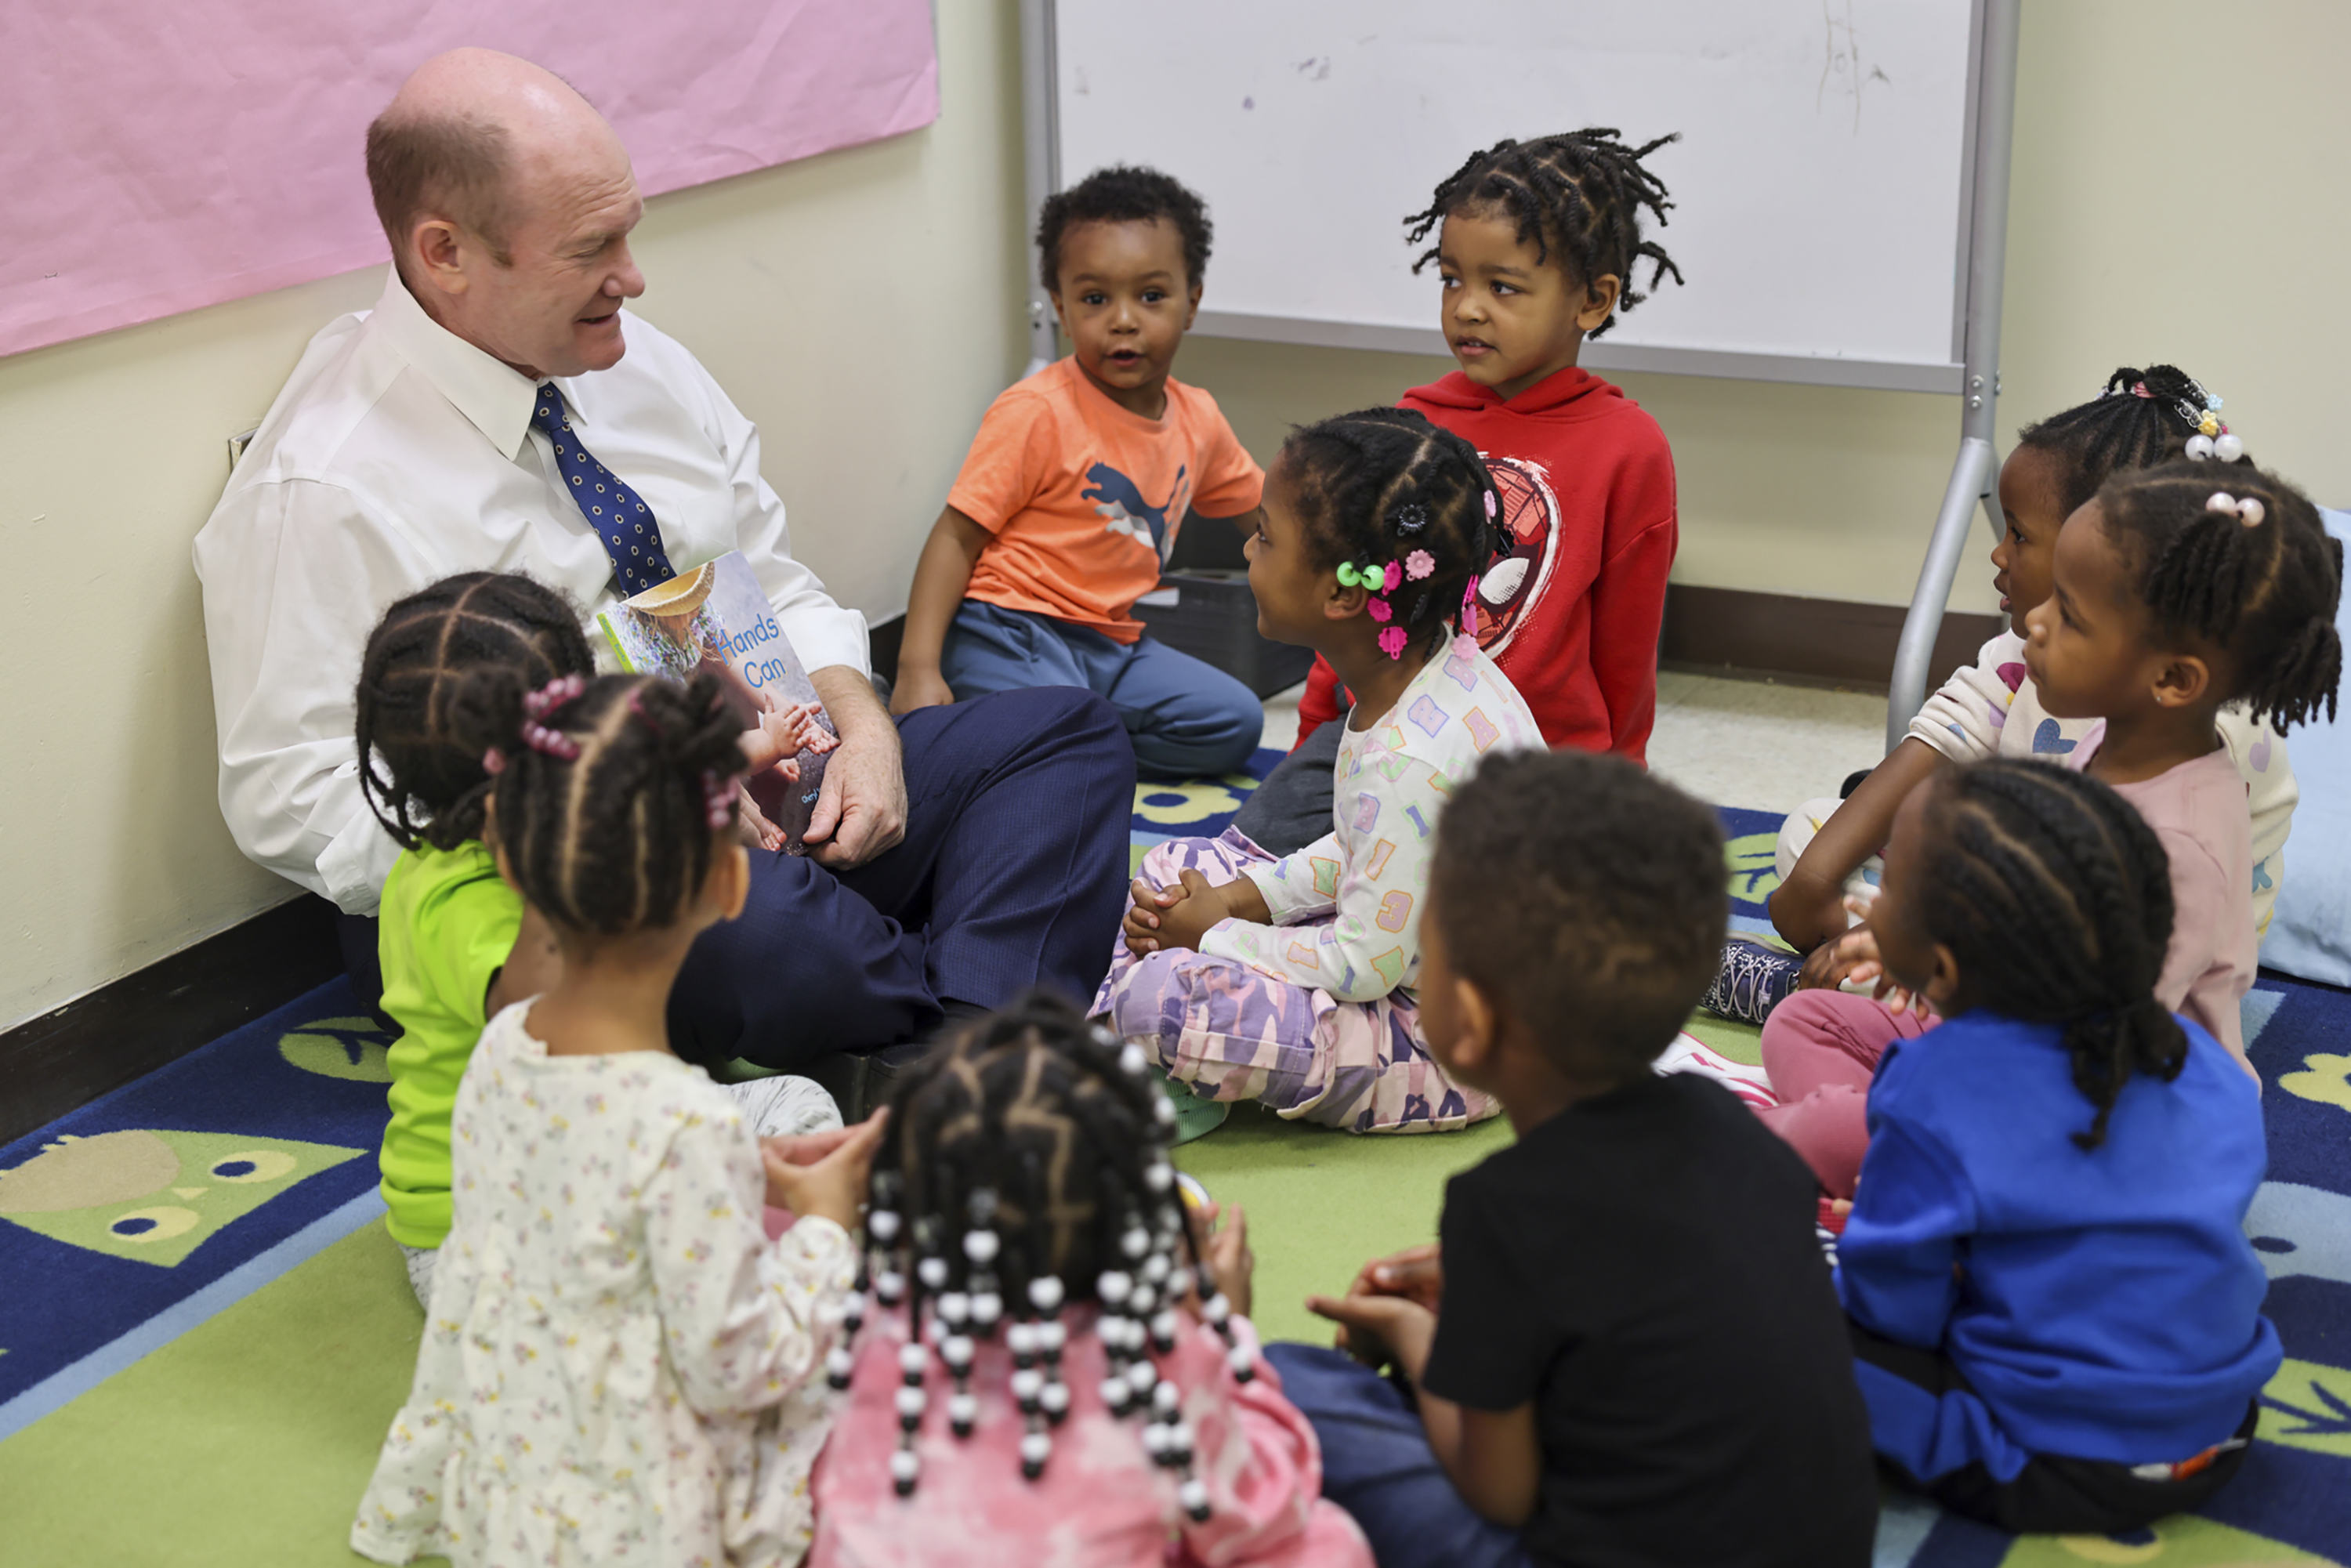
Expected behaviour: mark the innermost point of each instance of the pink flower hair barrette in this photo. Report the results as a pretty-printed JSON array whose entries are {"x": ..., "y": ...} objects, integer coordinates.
[{"x": 1419, "y": 564}]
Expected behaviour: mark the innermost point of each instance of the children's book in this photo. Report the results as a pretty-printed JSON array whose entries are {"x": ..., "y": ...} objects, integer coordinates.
[{"x": 716, "y": 618}]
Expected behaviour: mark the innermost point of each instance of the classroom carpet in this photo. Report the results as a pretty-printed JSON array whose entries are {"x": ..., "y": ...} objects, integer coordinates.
[{"x": 203, "y": 1327}]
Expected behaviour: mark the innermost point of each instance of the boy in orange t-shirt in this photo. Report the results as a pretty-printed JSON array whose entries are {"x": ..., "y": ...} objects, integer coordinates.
[{"x": 1069, "y": 499}]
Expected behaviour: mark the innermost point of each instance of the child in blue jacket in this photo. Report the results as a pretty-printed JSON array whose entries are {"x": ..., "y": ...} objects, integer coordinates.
[{"x": 2055, "y": 1314}]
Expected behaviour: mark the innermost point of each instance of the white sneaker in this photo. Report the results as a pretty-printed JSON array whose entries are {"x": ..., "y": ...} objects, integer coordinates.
[
  {"x": 783, "y": 1105},
  {"x": 1689, "y": 1054}
]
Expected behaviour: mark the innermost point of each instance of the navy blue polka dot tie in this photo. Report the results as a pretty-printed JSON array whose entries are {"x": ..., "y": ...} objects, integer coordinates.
[{"x": 622, "y": 521}]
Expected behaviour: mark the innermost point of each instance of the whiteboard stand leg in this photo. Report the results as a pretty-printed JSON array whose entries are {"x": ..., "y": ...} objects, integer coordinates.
[
  {"x": 1971, "y": 476},
  {"x": 1040, "y": 139},
  {"x": 1973, "y": 473}
]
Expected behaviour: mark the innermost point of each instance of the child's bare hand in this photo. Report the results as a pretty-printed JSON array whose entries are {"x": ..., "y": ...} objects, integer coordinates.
[
  {"x": 919, "y": 688},
  {"x": 800, "y": 1149},
  {"x": 1195, "y": 912},
  {"x": 1416, "y": 1273},
  {"x": 1228, "y": 1257},
  {"x": 1146, "y": 908},
  {"x": 833, "y": 1187},
  {"x": 1379, "y": 1329}
]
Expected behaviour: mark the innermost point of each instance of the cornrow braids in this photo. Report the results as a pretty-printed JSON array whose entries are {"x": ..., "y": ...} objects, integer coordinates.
[
  {"x": 424, "y": 784},
  {"x": 2260, "y": 577},
  {"x": 1026, "y": 1167},
  {"x": 612, "y": 794},
  {"x": 1401, "y": 504},
  {"x": 2141, "y": 418},
  {"x": 1123, "y": 193},
  {"x": 2054, "y": 897},
  {"x": 1580, "y": 193}
]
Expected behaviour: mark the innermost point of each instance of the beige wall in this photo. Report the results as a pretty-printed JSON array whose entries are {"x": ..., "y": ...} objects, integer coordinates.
[
  {"x": 2177, "y": 195},
  {"x": 861, "y": 307}
]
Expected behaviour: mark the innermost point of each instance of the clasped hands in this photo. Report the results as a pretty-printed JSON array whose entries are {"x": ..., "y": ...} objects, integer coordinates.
[
  {"x": 1389, "y": 1314},
  {"x": 1853, "y": 958},
  {"x": 1178, "y": 916}
]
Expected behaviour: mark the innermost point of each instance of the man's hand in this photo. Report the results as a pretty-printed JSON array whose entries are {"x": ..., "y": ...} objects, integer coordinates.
[
  {"x": 832, "y": 1186},
  {"x": 919, "y": 688},
  {"x": 1379, "y": 1329},
  {"x": 861, "y": 810}
]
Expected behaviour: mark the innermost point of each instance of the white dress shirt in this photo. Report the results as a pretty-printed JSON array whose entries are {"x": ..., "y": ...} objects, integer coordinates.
[{"x": 396, "y": 454}]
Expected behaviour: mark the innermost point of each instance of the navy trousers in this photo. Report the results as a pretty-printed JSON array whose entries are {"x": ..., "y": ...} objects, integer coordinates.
[
  {"x": 1377, "y": 1465},
  {"x": 1012, "y": 874}
]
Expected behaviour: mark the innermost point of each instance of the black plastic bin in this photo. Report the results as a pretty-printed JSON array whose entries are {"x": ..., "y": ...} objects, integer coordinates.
[{"x": 1213, "y": 619}]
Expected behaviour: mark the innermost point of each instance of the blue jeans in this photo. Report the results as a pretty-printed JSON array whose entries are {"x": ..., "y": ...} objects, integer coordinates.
[
  {"x": 1376, "y": 1464},
  {"x": 1185, "y": 718}
]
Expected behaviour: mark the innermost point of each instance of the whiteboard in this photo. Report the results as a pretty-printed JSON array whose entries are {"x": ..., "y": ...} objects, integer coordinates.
[{"x": 1821, "y": 186}]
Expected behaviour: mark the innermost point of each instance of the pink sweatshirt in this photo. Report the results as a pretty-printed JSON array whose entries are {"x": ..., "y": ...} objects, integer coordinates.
[
  {"x": 1100, "y": 1502},
  {"x": 2198, "y": 809}
]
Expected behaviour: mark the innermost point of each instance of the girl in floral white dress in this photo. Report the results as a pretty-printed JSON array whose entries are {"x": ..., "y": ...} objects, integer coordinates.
[{"x": 617, "y": 1361}]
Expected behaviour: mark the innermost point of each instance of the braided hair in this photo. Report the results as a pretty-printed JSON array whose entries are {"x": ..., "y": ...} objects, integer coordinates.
[
  {"x": 2054, "y": 897},
  {"x": 2141, "y": 418},
  {"x": 1380, "y": 488},
  {"x": 613, "y": 794},
  {"x": 1580, "y": 194},
  {"x": 2264, "y": 590},
  {"x": 422, "y": 784},
  {"x": 1123, "y": 193},
  {"x": 1027, "y": 1164}
]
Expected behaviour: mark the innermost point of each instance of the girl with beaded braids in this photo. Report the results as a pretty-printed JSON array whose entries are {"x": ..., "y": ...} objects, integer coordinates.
[
  {"x": 455, "y": 941},
  {"x": 2055, "y": 1314},
  {"x": 617, "y": 1364},
  {"x": 1290, "y": 981},
  {"x": 1537, "y": 245},
  {"x": 1046, "y": 1361}
]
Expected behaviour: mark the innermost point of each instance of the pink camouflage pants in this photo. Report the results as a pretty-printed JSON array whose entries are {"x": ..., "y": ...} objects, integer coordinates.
[{"x": 1232, "y": 1032}]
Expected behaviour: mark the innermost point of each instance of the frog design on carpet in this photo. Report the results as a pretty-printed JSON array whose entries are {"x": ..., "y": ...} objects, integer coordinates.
[{"x": 155, "y": 1195}]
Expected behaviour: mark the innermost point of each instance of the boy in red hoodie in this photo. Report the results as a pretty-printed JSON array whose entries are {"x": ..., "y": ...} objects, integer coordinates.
[{"x": 1536, "y": 244}]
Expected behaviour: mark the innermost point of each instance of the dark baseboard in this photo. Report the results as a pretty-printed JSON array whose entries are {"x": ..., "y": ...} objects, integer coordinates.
[
  {"x": 65, "y": 1058},
  {"x": 1826, "y": 641}
]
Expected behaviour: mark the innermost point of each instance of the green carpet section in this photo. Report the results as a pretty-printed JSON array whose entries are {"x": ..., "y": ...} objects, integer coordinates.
[
  {"x": 1320, "y": 1202},
  {"x": 244, "y": 1443}
]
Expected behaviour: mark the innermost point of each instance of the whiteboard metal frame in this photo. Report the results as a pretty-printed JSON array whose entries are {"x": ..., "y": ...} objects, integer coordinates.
[{"x": 1974, "y": 374}]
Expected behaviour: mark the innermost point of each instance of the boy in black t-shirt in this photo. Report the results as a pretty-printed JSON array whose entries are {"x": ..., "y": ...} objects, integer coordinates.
[{"x": 1627, "y": 1349}]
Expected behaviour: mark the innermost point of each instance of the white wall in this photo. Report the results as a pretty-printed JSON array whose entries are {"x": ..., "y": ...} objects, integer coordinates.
[
  {"x": 2178, "y": 194},
  {"x": 861, "y": 307}
]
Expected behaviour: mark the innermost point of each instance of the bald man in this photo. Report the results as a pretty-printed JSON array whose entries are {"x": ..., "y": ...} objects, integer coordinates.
[{"x": 956, "y": 857}]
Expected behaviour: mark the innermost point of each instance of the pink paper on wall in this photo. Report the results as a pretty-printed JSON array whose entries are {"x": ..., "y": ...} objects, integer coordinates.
[{"x": 160, "y": 158}]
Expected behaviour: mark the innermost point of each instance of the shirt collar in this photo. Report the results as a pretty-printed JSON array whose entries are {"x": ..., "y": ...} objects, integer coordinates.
[{"x": 491, "y": 394}]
